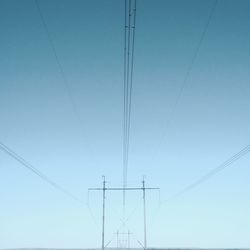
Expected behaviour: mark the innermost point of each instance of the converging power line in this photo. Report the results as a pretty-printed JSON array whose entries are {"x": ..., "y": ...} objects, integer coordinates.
[
  {"x": 212, "y": 173},
  {"x": 129, "y": 44},
  {"x": 184, "y": 82},
  {"x": 37, "y": 172}
]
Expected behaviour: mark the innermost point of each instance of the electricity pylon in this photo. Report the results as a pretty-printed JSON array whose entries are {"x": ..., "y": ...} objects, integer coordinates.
[{"x": 104, "y": 189}]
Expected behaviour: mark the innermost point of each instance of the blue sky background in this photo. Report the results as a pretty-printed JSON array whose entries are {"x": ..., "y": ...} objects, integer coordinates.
[{"x": 75, "y": 146}]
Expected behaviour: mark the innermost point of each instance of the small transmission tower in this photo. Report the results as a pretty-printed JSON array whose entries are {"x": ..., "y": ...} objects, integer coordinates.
[{"x": 104, "y": 189}]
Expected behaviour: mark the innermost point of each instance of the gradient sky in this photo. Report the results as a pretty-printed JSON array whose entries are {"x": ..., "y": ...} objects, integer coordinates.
[{"x": 75, "y": 145}]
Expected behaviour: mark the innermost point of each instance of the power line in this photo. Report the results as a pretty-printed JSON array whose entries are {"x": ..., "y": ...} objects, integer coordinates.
[
  {"x": 129, "y": 43},
  {"x": 62, "y": 73},
  {"x": 46, "y": 179},
  {"x": 196, "y": 52},
  {"x": 131, "y": 74},
  {"x": 211, "y": 173},
  {"x": 58, "y": 62},
  {"x": 37, "y": 172},
  {"x": 53, "y": 48},
  {"x": 126, "y": 89},
  {"x": 204, "y": 178},
  {"x": 190, "y": 68}
]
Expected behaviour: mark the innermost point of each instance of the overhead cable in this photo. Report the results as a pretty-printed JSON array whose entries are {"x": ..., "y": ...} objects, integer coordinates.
[
  {"x": 129, "y": 44},
  {"x": 212, "y": 173},
  {"x": 37, "y": 172},
  {"x": 195, "y": 55},
  {"x": 60, "y": 66},
  {"x": 189, "y": 69}
]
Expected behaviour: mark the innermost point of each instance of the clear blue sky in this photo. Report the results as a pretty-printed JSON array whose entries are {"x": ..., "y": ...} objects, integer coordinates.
[{"x": 76, "y": 146}]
